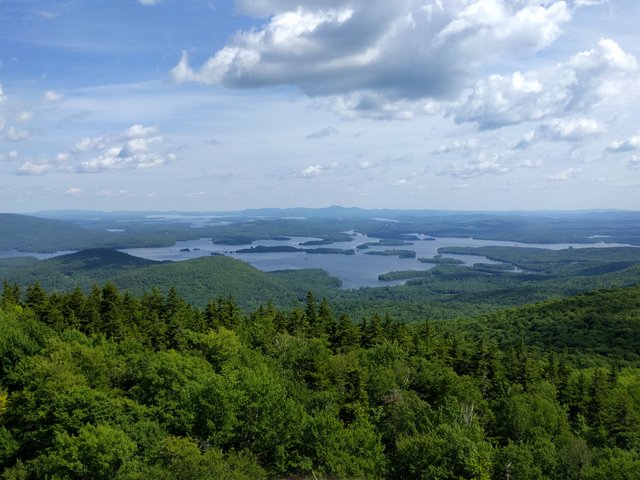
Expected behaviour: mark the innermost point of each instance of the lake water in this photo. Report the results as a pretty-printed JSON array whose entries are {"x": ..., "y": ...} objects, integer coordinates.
[
  {"x": 359, "y": 270},
  {"x": 39, "y": 256}
]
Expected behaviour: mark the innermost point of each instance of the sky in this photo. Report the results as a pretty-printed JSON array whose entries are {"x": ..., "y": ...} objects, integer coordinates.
[{"x": 224, "y": 105}]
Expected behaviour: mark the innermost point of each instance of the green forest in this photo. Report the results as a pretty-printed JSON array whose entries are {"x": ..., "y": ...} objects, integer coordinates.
[{"x": 106, "y": 384}]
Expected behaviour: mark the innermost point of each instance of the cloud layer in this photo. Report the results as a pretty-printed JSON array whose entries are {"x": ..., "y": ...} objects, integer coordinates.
[
  {"x": 372, "y": 54},
  {"x": 603, "y": 75},
  {"x": 136, "y": 148}
]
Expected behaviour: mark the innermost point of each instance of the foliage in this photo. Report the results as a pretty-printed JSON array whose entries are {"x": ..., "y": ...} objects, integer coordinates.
[{"x": 110, "y": 385}]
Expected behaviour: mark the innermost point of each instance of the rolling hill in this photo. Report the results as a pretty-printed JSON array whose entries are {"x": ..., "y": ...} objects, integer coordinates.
[{"x": 198, "y": 280}]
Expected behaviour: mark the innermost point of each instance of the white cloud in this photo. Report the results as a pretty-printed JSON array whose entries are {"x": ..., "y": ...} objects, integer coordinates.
[
  {"x": 74, "y": 191},
  {"x": 135, "y": 148},
  {"x": 315, "y": 170},
  {"x": 589, "y": 3},
  {"x": 569, "y": 129},
  {"x": 89, "y": 143},
  {"x": 148, "y": 3},
  {"x": 630, "y": 144},
  {"x": 322, "y": 133},
  {"x": 140, "y": 131},
  {"x": 458, "y": 146},
  {"x": 406, "y": 181},
  {"x": 35, "y": 169},
  {"x": 530, "y": 164},
  {"x": 25, "y": 116},
  {"x": 634, "y": 162},
  {"x": 131, "y": 151},
  {"x": 389, "y": 161},
  {"x": 563, "y": 175},
  {"x": 366, "y": 165},
  {"x": 604, "y": 75},
  {"x": 482, "y": 165},
  {"x": 118, "y": 158},
  {"x": 14, "y": 135},
  {"x": 374, "y": 105},
  {"x": 353, "y": 50},
  {"x": 113, "y": 193},
  {"x": 52, "y": 97},
  {"x": 46, "y": 14},
  {"x": 535, "y": 26},
  {"x": 527, "y": 139}
]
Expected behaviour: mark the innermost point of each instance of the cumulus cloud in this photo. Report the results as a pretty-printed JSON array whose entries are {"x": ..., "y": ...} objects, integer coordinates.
[
  {"x": 74, "y": 191},
  {"x": 15, "y": 135},
  {"x": 570, "y": 129},
  {"x": 589, "y": 3},
  {"x": 458, "y": 146},
  {"x": 388, "y": 162},
  {"x": 123, "y": 158},
  {"x": 113, "y": 193},
  {"x": 634, "y": 162},
  {"x": 132, "y": 150},
  {"x": 52, "y": 97},
  {"x": 482, "y": 165},
  {"x": 138, "y": 147},
  {"x": 353, "y": 50},
  {"x": 46, "y": 14},
  {"x": 526, "y": 141},
  {"x": 322, "y": 133},
  {"x": 405, "y": 181},
  {"x": 316, "y": 170},
  {"x": 25, "y": 116},
  {"x": 367, "y": 164},
  {"x": 10, "y": 156},
  {"x": 529, "y": 163},
  {"x": 628, "y": 145},
  {"x": 140, "y": 131},
  {"x": 86, "y": 144},
  {"x": 35, "y": 169},
  {"x": 312, "y": 171},
  {"x": 7, "y": 132},
  {"x": 605, "y": 74},
  {"x": 563, "y": 175}
]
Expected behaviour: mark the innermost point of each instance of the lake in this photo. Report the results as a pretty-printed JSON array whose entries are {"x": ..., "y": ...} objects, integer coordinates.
[{"x": 359, "y": 270}]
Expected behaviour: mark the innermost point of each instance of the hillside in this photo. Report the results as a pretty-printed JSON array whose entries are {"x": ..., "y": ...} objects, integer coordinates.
[
  {"x": 33, "y": 234},
  {"x": 114, "y": 386},
  {"x": 445, "y": 291},
  {"x": 202, "y": 279},
  {"x": 42, "y": 235},
  {"x": 604, "y": 323},
  {"x": 198, "y": 280}
]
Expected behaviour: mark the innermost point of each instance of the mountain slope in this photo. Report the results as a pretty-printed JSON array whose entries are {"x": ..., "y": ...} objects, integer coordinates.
[
  {"x": 33, "y": 234},
  {"x": 198, "y": 280},
  {"x": 605, "y": 322}
]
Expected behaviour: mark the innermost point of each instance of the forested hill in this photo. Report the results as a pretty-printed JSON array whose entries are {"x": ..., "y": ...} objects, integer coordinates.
[
  {"x": 198, "y": 280},
  {"x": 604, "y": 323},
  {"x": 33, "y": 234},
  {"x": 113, "y": 386},
  {"x": 446, "y": 291}
]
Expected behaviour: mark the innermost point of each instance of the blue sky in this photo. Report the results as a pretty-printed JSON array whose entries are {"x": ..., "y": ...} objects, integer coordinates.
[{"x": 222, "y": 105}]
